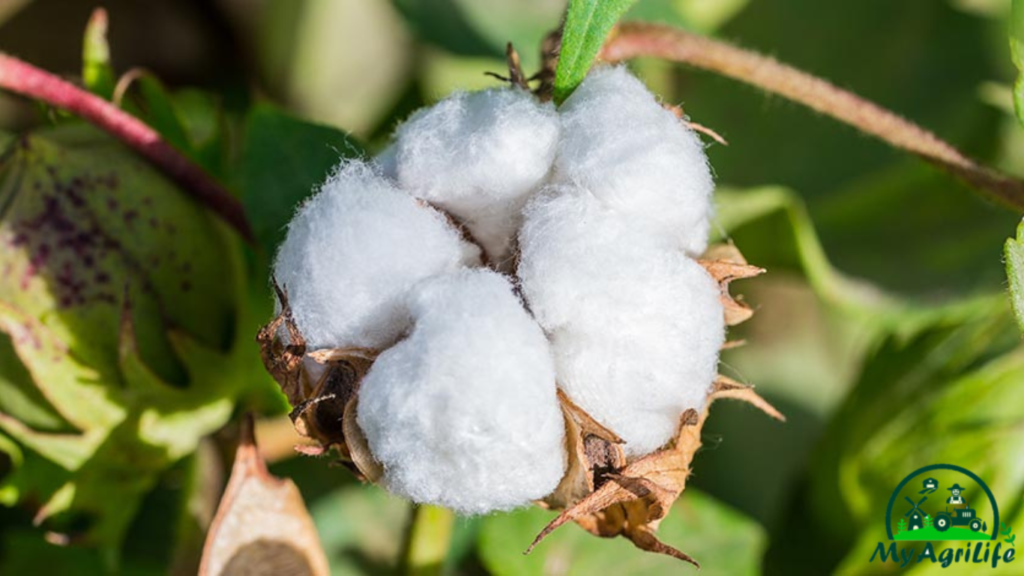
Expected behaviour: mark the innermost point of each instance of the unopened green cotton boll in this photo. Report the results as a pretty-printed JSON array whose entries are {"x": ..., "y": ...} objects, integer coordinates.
[
  {"x": 479, "y": 156},
  {"x": 353, "y": 250},
  {"x": 463, "y": 412}
]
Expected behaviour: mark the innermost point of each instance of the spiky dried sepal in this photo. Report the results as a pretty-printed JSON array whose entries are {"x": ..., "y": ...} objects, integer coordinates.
[
  {"x": 725, "y": 263},
  {"x": 321, "y": 387},
  {"x": 635, "y": 499}
]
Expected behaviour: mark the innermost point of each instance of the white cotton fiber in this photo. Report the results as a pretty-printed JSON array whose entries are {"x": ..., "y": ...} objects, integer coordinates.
[
  {"x": 351, "y": 253},
  {"x": 638, "y": 158},
  {"x": 463, "y": 413},
  {"x": 635, "y": 326},
  {"x": 478, "y": 156}
]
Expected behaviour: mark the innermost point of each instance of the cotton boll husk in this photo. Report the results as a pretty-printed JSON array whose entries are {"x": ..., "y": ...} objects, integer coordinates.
[
  {"x": 635, "y": 326},
  {"x": 351, "y": 253},
  {"x": 478, "y": 156},
  {"x": 618, "y": 142},
  {"x": 463, "y": 413}
]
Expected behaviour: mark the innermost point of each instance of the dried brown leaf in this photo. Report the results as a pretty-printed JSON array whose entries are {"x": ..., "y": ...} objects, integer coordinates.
[
  {"x": 369, "y": 470},
  {"x": 592, "y": 451},
  {"x": 262, "y": 526}
]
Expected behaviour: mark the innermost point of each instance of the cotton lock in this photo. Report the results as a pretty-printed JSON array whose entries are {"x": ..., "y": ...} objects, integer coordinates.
[
  {"x": 620, "y": 144},
  {"x": 463, "y": 412},
  {"x": 353, "y": 250},
  {"x": 478, "y": 156},
  {"x": 635, "y": 327}
]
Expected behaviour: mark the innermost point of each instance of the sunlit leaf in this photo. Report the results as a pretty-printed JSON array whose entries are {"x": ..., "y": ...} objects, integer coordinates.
[
  {"x": 262, "y": 525},
  {"x": 1013, "y": 254},
  {"x": 1017, "y": 52},
  {"x": 284, "y": 159},
  {"x": 587, "y": 23},
  {"x": 97, "y": 72},
  {"x": 722, "y": 540}
]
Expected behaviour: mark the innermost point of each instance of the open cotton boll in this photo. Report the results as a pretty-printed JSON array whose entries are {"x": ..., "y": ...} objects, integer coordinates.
[
  {"x": 618, "y": 142},
  {"x": 351, "y": 253},
  {"x": 463, "y": 413},
  {"x": 636, "y": 327},
  {"x": 478, "y": 156}
]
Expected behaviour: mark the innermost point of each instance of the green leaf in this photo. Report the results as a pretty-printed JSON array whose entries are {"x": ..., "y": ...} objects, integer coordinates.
[
  {"x": 830, "y": 166},
  {"x": 149, "y": 101},
  {"x": 97, "y": 72},
  {"x": 1017, "y": 53},
  {"x": 360, "y": 527},
  {"x": 704, "y": 17},
  {"x": 587, "y": 23},
  {"x": 284, "y": 160},
  {"x": 721, "y": 539},
  {"x": 773, "y": 229},
  {"x": 442, "y": 23},
  {"x": 1013, "y": 254}
]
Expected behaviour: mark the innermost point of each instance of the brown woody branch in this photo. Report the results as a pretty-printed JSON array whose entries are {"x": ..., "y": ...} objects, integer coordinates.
[
  {"x": 27, "y": 80},
  {"x": 636, "y": 39}
]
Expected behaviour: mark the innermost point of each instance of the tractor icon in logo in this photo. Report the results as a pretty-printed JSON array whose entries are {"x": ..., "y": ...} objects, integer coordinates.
[
  {"x": 928, "y": 516},
  {"x": 962, "y": 514}
]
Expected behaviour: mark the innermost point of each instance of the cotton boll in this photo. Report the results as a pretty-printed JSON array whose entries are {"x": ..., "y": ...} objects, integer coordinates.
[
  {"x": 636, "y": 326},
  {"x": 638, "y": 158},
  {"x": 463, "y": 413},
  {"x": 478, "y": 156},
  {"x": 351, "y": 253}
]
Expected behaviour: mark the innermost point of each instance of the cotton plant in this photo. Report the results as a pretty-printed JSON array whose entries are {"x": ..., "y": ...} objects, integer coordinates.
[{"x": 514, "y": 304}]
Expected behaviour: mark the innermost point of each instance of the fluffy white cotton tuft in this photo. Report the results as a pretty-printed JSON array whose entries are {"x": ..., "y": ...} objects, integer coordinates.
[
  {"x": 635, "y": 327},
  {"x": 638, "y": 158},
  {"x": 478, "y": 156},
  {"x": 463, "y": 413},
  {"x": 351, "y": 253}
]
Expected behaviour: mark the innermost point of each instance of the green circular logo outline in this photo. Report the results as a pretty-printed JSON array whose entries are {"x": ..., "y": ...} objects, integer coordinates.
[{"x": 955, "y": 468}]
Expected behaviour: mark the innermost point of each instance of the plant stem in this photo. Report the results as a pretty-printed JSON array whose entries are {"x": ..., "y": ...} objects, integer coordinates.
[
  {"x": 428, "y": 540},
  {"x": 640, "y": 39},
  {"x": 27, "y": 80}
]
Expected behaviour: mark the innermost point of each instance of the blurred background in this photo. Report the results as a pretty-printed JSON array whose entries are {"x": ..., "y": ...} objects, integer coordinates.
[{"x": 882, "y": 332}]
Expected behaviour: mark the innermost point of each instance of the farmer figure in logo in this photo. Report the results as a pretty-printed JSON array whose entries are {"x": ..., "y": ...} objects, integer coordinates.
[
  {"x": 956, "y": 498},
  {"x": 960, "y": 515}
]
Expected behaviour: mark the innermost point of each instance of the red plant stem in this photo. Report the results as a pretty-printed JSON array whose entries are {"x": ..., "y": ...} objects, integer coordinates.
[
  {"x": 27, "y": 80},
  {"x": 639, "y": 39}
]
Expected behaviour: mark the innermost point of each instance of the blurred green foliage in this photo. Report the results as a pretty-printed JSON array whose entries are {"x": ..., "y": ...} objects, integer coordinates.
[{"x": 883, "y": 330}]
